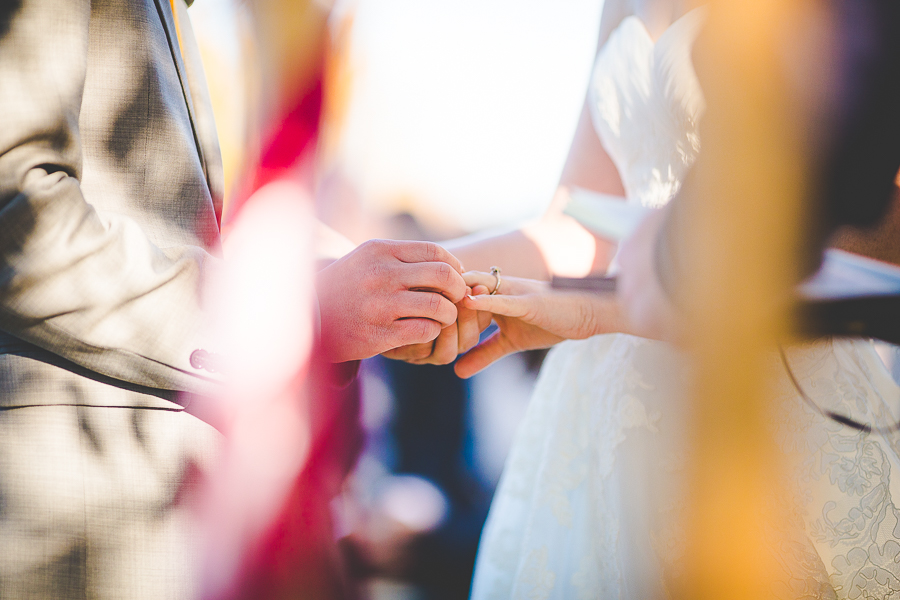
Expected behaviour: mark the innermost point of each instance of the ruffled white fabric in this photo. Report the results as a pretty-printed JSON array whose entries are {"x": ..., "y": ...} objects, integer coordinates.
[
  {"x": 589, "y": 500},
  {"x": 647, "y": 104}
]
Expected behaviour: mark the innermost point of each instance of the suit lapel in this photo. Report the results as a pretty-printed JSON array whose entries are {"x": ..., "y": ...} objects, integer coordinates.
[
  {"x": 204, "y": 119},
  {"x": 164, "y": 8}
]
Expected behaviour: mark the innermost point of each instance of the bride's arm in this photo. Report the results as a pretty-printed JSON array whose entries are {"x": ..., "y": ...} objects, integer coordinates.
[{"x": 555, "y": 244}]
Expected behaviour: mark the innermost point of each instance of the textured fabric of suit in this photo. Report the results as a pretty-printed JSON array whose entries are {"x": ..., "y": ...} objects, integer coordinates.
[
  {"x": 108, "y": 208},
  {"x": 110, "y": 192}
]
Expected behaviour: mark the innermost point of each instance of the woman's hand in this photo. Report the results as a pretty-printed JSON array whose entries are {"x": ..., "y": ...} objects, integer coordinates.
[
  {"x": 645, "y": 306},
  {"x": 531, "y": 315}
]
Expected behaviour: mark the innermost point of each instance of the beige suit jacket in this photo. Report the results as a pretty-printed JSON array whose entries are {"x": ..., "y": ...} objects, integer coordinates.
[{"x": 110, "y": 188}]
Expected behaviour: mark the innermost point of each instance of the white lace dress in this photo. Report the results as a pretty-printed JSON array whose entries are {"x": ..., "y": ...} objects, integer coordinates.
[{"x": 587, "y": 504}]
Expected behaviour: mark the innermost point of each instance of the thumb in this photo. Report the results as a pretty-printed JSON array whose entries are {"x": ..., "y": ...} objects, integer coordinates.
[{"x": 480, "y": 357}]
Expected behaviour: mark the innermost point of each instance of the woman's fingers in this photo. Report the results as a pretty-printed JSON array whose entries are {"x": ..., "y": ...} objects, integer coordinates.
[
  {"x": 454, "y": 339},
  {"x": 486, "y": 280},
  {"x": 468, "y": 327},
  {"x": 484, "y": 318},
  {"x": 491, "y": 350},
  {"x": 508, "y": 306},
  {"x": 509, "y": 286}
]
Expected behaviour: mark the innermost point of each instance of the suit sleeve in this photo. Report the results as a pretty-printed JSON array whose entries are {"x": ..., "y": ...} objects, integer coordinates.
[{"x": 87, "y": 286}]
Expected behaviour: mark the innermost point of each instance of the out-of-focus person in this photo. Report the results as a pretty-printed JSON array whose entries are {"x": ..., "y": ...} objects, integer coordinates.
[
  {"x": 110, "y": 198},
  {"x": 110, "y": 204},
  {"x": 831, "y": 397}
]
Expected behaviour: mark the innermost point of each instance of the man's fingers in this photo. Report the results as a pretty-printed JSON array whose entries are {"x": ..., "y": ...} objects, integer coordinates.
[
  {"x": 415, "y": 252},
  {"x": 411, "y": 353},
  {"x": 441, "y": 351},
  {"x": 429, "y": 305},
  {"x": 491, "y": 350},
  {"x": 406, "y": 332},
  {"x": 433, "y": 276},
  {"x": 444, "y": 348}
]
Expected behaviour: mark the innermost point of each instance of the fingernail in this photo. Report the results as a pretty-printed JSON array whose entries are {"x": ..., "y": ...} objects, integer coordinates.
[{"x": 471, "y": 297}]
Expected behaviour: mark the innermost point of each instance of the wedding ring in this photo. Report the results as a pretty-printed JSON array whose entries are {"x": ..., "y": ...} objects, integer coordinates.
[{"x": 495, "y": 271}]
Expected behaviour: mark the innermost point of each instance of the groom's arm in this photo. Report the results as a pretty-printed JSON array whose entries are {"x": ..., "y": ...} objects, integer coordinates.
[{"x": 87, "y": 285}]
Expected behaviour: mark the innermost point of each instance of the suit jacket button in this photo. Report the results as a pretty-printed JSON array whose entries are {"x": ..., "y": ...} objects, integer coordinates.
[{"x": 199, "y": 359}]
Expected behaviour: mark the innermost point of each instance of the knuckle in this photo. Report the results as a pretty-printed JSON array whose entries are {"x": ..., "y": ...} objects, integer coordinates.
[
  {"x": 586, "y": 319},
  {"x": 591, "y": 319},
  {"x": 423, "y": 330},
  {"x": 445, "y": 273},
  {"x": 379, "y": 245},
  {"x": 373, "y": 271},
  {"x": 380, "y": 249},
  {"x": 434, "y": 304},
  {"x": 432, "y": 251}
]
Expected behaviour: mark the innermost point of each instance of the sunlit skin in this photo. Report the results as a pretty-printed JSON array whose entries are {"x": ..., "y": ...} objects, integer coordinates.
[
  {"x": 531, "y": 315},
  {"x": 642, "y": 300},
  {"x": 387, "y": 294},
  {"x": 556, "y": 244}
]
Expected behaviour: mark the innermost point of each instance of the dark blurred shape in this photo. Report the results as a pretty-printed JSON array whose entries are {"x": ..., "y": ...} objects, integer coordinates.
[
  {"x": 429, "y": 438},
  {"x": 8, "y": 9},
  {"x": 856, "y": 175},
  {"x": 853, "y": 175},
  {"x": 433, "y": 440},
  {"x": 867, "y": 317}
]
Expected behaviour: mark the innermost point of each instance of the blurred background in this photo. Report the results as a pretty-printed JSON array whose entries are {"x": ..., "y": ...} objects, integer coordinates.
[{"x": 439, "y": 119}]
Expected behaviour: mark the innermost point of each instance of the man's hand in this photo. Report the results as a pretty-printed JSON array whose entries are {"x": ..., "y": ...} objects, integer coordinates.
[
  {"x": 387, "y": 294},
  {"x": 454, "y": 340}
]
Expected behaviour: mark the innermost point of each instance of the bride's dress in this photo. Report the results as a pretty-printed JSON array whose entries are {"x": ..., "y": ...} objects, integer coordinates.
[{"x": 589, "y": 500}]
